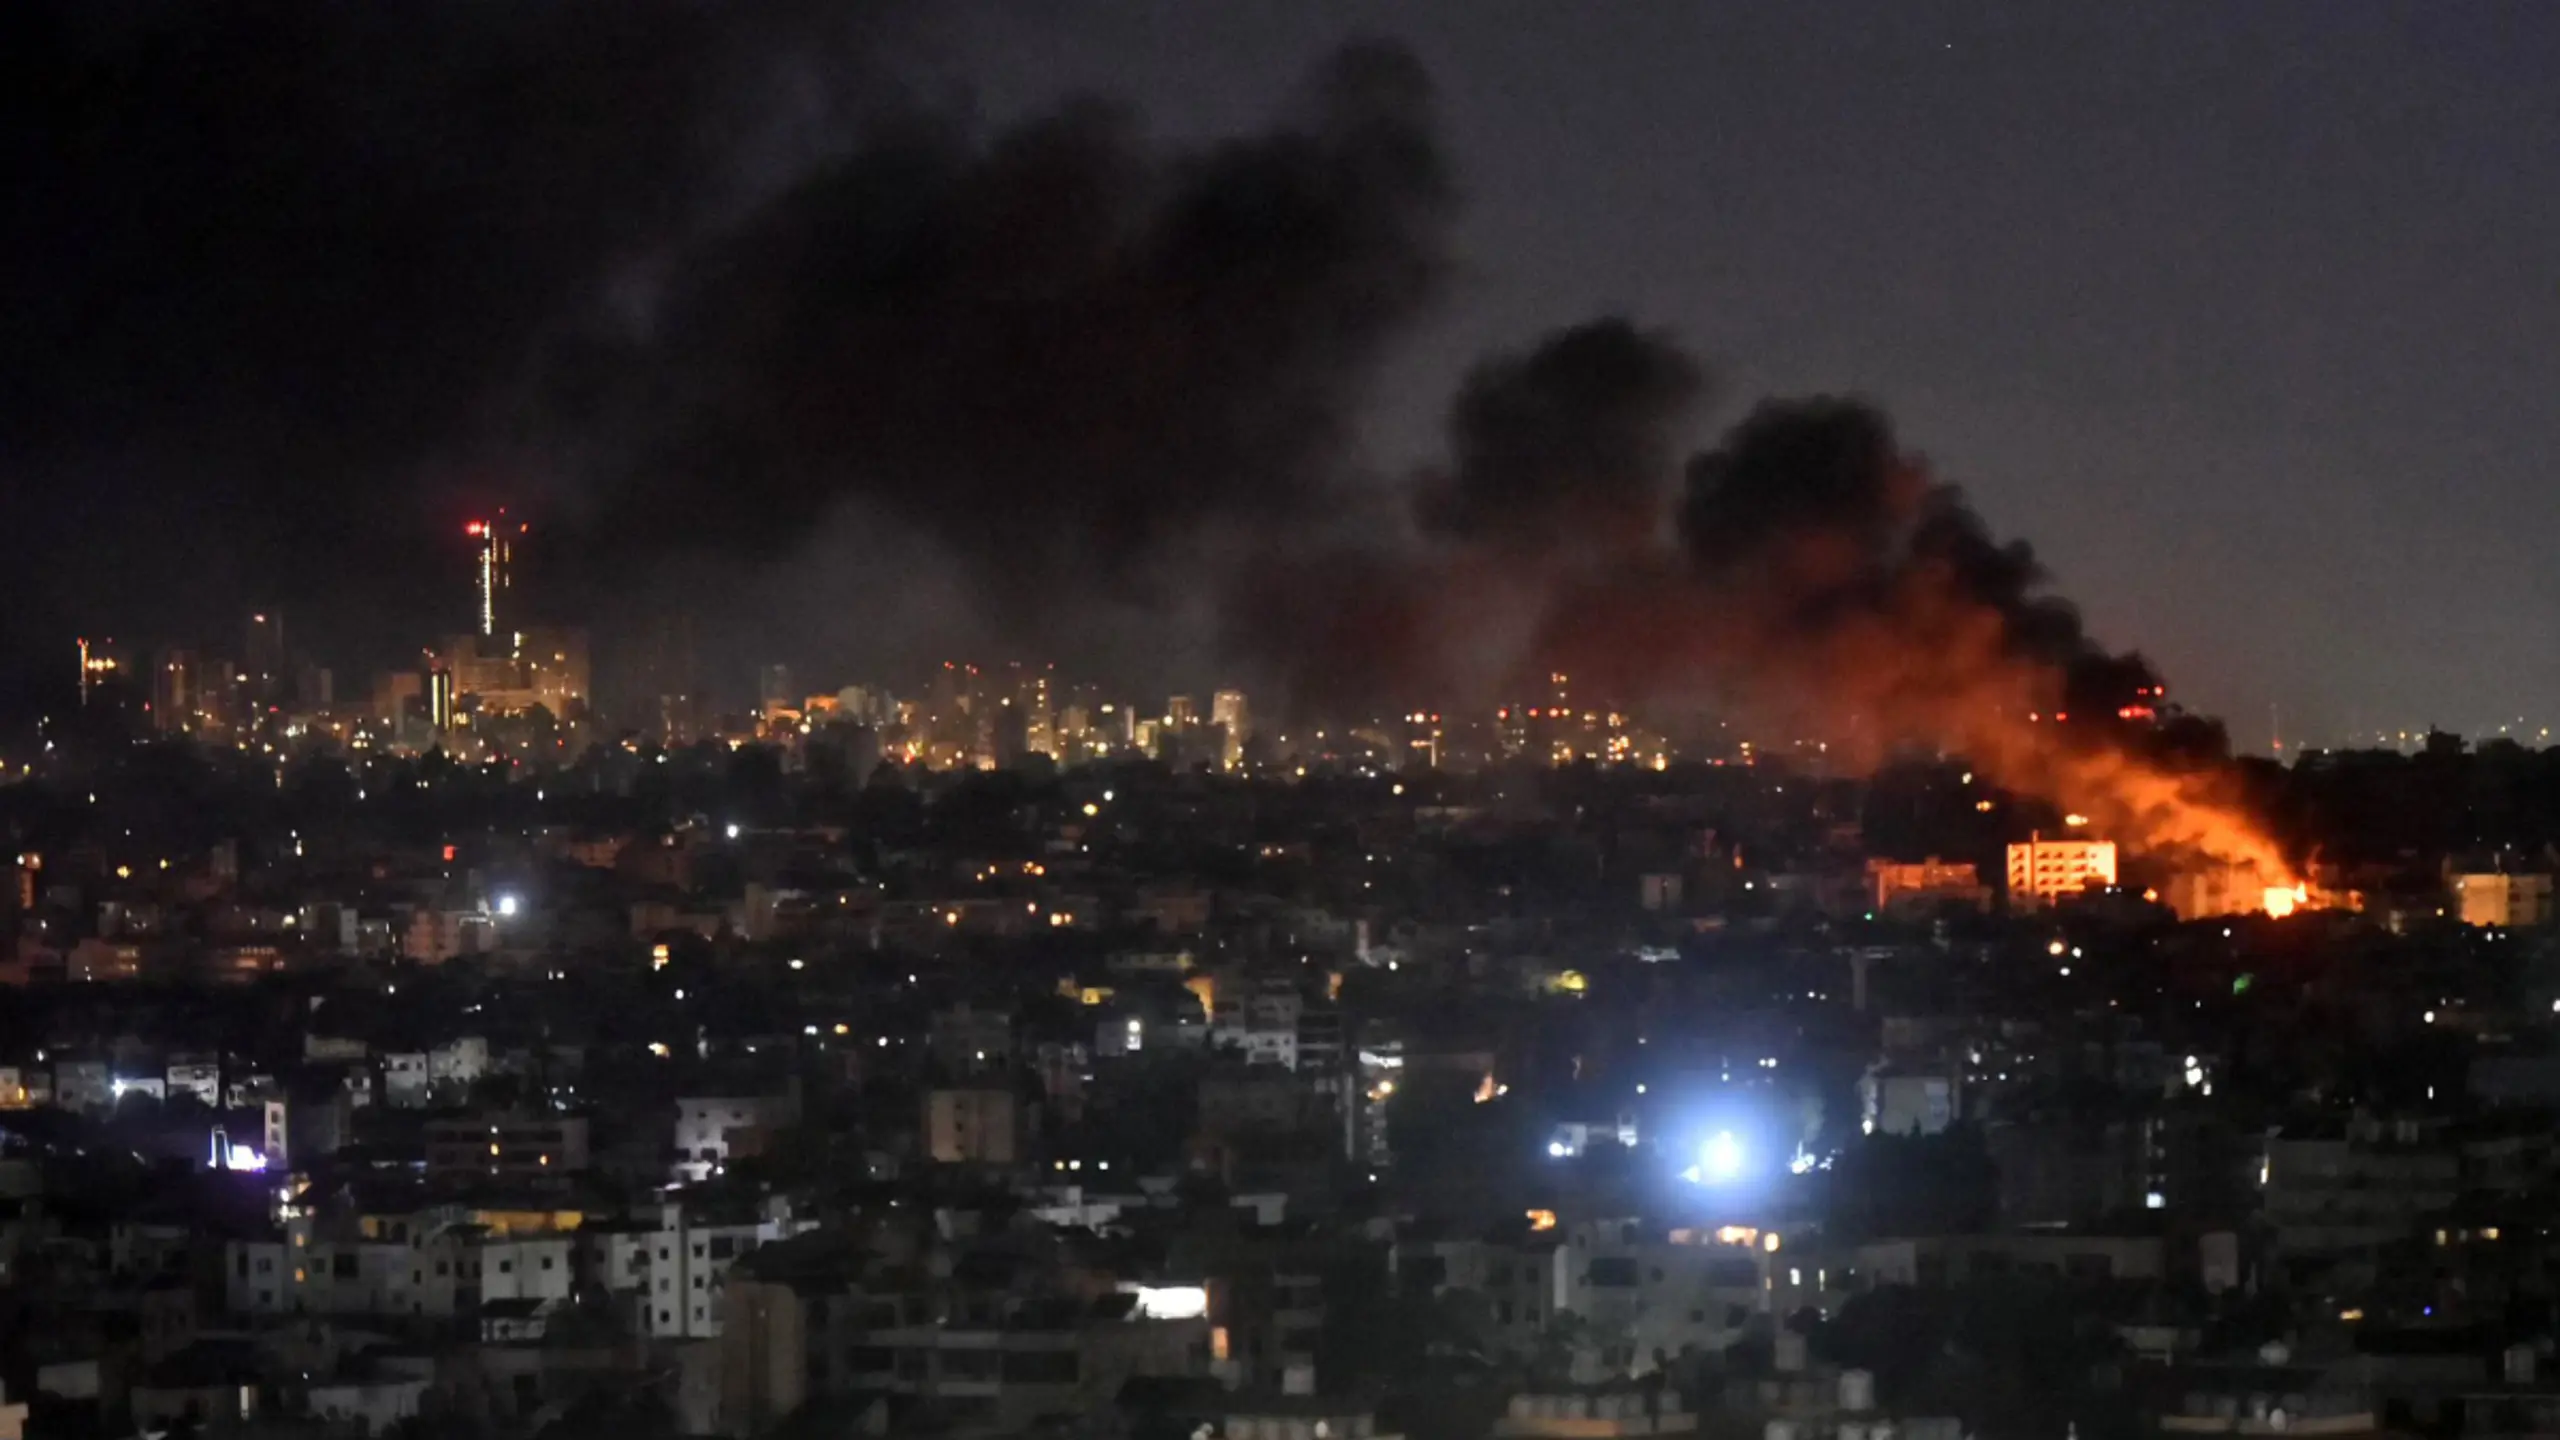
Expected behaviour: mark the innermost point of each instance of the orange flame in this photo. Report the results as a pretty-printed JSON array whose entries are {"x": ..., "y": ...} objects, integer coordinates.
[{"x": 1922, "y": 666}]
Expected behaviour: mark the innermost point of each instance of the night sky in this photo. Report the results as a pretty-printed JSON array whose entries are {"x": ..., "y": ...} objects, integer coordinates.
[{"x": 2242, "y": 313}]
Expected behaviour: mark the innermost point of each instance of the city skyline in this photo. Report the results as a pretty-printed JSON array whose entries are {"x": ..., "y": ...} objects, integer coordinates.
[
  {"x": 1279, "y": 720},
  {"x": 149, "y": 515}
]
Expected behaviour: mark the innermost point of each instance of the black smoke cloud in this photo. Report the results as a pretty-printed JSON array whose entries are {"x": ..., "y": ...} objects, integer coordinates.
[
  {"x": 1814, "y": 507},
  {"x": 1572, "y": 439},
  {"x": 1062, "y": 355},
  {"x": 1562, "y": 460},
  {"x": 270, "y": 270},
  {"x": 295, "y": 289}
]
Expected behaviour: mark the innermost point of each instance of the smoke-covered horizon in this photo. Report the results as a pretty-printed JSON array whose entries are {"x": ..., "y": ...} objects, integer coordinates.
[{"x": 759, "y": 330}]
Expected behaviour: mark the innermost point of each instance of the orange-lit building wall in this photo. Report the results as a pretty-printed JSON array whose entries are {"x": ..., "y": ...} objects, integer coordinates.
[{"x": 2043, "y": 871}]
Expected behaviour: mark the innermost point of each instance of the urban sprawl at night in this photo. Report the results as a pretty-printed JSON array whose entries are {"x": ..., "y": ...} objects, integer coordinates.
[{"x": 810, "y": 719}]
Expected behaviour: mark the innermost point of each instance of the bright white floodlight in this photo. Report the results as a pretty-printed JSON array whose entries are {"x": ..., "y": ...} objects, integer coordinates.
[{"x": 1721, "y": 1160}]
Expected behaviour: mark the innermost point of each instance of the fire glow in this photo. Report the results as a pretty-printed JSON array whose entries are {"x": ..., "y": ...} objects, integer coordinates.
[{"x": 1836, "y": 588}]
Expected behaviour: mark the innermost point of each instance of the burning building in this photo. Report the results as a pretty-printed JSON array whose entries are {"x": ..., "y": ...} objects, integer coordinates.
[
  {"x": 1895, "y": 886},
  {"x": 2208, "y": 892}
]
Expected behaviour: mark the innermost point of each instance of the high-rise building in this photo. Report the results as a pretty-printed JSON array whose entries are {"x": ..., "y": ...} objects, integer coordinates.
[
  {"x": 1008, "y": 734},
  {"x": 867, "y": 705},
  {"x": 1032, "y": 696},
  {"x": 554, "y": 658},
  {"x": 263, "y": 670},
  {"x": 393, "y": 690},
  {"x": 680, "y": 717},
  {"x": 1181, "y": 712},
  {"x": 773, "y": 689},
  {"x": 2511, "y": 901},
  {"x": 1556, "y": 736},
  {"x": 101, "y": 667},
  {"x": 440, "y": 698},
  {"x": 176, "y": 692},
  {"x": 1228, "y": 712},
  {"x": 669, "y": 689},
  {"x": 480, "y": 667},
  {"x": 2043, "y": 871},
  {"x": 495, "y": 565},
  {"x": 542, "y": 667},
  {"x": 218, "y": 705}
]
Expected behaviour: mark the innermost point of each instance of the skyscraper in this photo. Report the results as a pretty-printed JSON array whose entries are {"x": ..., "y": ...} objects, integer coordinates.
[
  {"x": 218, "y": 707},
  {"x": 1227, "y": 710},
  {"x": 544, "y": 666},
  {"x": 495, "y": 564},
  {"x": 440, "y": 707},
  {"x": 177, "y": 692},
  {"x": 668, "y": 688},
  {"x": 262, "y": 661},
  {"x": 98, "y": 667},
  {"x": 1039, "y": 715},
  {"x": 773, "y": 688}
]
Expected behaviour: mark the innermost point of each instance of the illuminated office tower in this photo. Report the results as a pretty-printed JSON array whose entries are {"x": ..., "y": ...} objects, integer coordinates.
[
  {"x": 1181, "y": 712},
  {"x": 1227, "y": 710},
  {"x": 483, "y": 669},
  {"x": 1032, "y": 694},
  {"x": 496, "y": 565},
  {"x": 440, "y": 698}
]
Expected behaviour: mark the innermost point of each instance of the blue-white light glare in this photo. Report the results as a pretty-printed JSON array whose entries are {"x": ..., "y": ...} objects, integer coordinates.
[{"x": 1721, "y": 1158}]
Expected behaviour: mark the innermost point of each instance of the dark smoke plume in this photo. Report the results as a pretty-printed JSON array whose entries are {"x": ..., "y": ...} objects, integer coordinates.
[
  {"x": 1814, "y": 506},
  {"x": 270, "y": 269},
  {"x": 1569, "y": 444},
  {"x": 1811, "y": 572},
  {"x": 303, "y": 286},
  {"x": 1064, "y": 356},
  {"x": 1853, "y": 598},
  {"x": 292, "y": 285},
  {"x": 1562, "y": 461}
]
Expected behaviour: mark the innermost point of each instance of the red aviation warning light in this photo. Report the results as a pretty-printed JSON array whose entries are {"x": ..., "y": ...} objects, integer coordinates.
[{"x": 476, "y": 527}]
